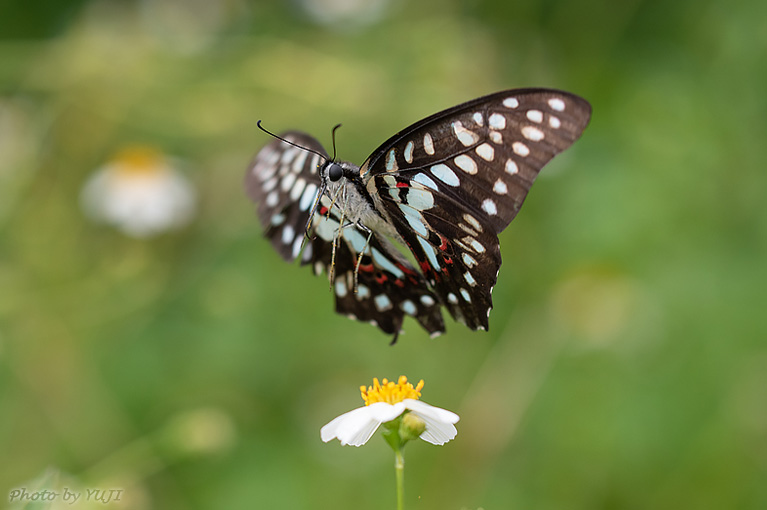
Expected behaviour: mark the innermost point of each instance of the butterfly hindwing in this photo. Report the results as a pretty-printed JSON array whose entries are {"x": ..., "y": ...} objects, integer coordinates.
[{"x": 387, "y": 286}]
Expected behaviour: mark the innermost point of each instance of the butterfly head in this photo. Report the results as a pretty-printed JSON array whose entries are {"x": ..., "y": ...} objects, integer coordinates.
[{"x": 331, "y": 172}]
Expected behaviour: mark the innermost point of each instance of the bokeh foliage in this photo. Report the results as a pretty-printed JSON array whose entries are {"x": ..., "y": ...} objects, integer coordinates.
[{"x": 626, "y": 365}]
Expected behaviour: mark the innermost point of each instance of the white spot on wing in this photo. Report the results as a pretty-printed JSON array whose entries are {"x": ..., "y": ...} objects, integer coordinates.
[
  {"x": 489, "y": 207},
  {"x": 485, "y": 151},
  {"x": 308, "y": 197},
  {"x": 497, "y": 121},
  {"x": 420, "y": 199},
  {"x": 532, "y": 133},
  {"x": 288, "y": 234},
  {"x": 428, "y": 144},
  {"x": 468, "y": 229},
  {"x": 465, "y": 293},
  {"x": 465, "y": 136},
  {"x": 414, "y": 219},
  {"x": 391, "y": 161},
  {"x": 427, "y": 300},
  {"x": 408, "y": 307},
  {"x": 535, "y": 116},
  {"x": 380, "y": 259},
  {"x": 520, "y": 149},
  {"x": 478, "y": 119},
  {"x": 466, "y": 164},
  {"x": 510, "y": 102},
  {"x": 355, "y": 238},
  {"x": 557, "y": 104},
  {"x": 362, "y": 291},
  {"x": 445, "y": 174},
  {"x": 287, "y": 182},
  {"x": 297, "y": 189},
  {"x": 408, "y": 153},
  {"x": 315, "y": 164},
  {"x": 341, "y": 289},
  {"x": 469, "y": 260},
  {"x": 325, "y": 228},
  {"x": 390, "y": 181},
  {"x": 500, "y": 187},
  {"x": 272, "y": 198},
  {"x": 306, "y": 255},
  {"x": 430, "y": 253},
  {"x": 475, "y": 245},
  {"x": 297, "y": 245},
  {"x": 452, "y": 298},
  {"x": 298, "y": 163},
  {"x": 382, "y": 302},
  {"x": 496, "y": 137},
  {"x": 271, "y": 184},
  {"x": 554, "y": 122},
  {"x": 511, "y": 167},
  {"x": 471, "y": 220},
  {"x": 425, "y": 180}
]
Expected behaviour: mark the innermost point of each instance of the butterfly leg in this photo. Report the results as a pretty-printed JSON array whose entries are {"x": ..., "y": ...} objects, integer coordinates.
[
  {"x": 331, "y": 272},
  {"x": 364, "y": 228}
]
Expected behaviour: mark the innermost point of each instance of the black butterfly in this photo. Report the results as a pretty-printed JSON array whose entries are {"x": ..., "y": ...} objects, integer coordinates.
[{"x": 444, "y": 187}]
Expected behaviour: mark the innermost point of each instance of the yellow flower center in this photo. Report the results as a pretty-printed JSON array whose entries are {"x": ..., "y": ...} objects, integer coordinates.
[
  {"x": 139, "y": 159},
  {"x": 390, "y": 392}
]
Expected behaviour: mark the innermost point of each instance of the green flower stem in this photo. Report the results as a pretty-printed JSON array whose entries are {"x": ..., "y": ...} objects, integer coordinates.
[
  {"x": 399, "y": 471},
  {"x": 392, "y": 436}
]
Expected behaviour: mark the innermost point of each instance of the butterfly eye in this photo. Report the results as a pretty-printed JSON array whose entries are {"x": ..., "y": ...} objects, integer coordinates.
[{"x": 335, "y": 172}]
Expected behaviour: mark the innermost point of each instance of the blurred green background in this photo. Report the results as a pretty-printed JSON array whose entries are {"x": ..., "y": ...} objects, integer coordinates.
[{"x": 626, "y": 363}]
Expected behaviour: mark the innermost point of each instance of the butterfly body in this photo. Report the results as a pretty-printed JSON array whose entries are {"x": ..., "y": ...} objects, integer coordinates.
[{"x": 443, "y": 187}]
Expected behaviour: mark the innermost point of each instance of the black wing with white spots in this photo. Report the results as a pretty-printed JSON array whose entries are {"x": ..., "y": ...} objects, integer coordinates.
[
  {"x": 284, "y": 181},
  {"x": 450, "y": 183},
  {"x": 445, "y": 187}
]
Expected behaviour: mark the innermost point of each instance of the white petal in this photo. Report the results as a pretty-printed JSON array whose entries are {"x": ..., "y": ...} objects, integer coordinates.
[
  {"x": 437, "y": 432},
  {"x": 357, "y": 426},
  {"x": 439, "y": 422},
  {"x": 427, "y": 410}
]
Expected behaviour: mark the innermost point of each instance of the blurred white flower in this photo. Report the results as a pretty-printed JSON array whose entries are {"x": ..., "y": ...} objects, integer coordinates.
[
  {"x": 140, "y": 193},
  {"x": 345, "y": 13},
  {"x": 190, "y": 26},
  {"x": 385, "y": 403}
]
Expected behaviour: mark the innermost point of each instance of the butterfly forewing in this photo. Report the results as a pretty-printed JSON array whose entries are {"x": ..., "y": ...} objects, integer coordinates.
[
  {"x": 451, "y": 182},
  {"x": 283, "y": 181}
]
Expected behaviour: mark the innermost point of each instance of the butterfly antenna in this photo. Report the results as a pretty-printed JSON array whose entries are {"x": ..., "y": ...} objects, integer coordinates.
[
  {"x": 333, "y": 136},
  {"x": 262, "y": 128}
]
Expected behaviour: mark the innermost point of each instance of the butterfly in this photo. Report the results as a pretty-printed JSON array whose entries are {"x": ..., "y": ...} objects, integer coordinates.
[{"x": 442, "y": 188}]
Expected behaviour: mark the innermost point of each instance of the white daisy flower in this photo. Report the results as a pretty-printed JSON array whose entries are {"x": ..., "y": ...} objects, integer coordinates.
[
  {"x": 385, "y": 403},
  {"x": 140, "y": 193},
  {"x": 346, "y": 14}
]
